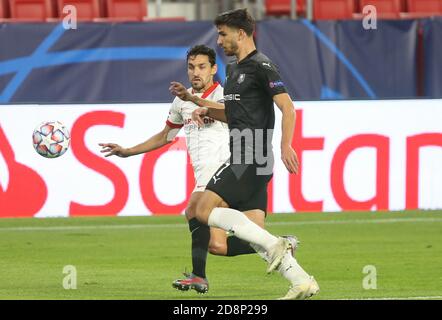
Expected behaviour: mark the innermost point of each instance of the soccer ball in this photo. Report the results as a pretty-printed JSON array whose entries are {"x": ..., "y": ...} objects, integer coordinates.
[{"x": 51, "y": 139}]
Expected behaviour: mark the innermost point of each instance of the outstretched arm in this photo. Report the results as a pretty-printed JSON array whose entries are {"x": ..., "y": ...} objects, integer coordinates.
[
  {"x": 156, "y": 141},
  {"x": 206, "y": 103},
  {"x": 288, "y": 155},
  {"x": 215, "y": 109}
]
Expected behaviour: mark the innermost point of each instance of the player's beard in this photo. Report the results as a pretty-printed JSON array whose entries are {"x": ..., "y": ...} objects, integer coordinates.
[
  {"x": 232, "y": 49},
  {"x": 199, "y": 86}
]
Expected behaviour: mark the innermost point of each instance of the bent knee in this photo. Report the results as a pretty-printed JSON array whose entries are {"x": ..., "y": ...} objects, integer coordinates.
[
  {"x": 203, "y": 210},
  {"x": 191, "y": 211},
  {"x": 218, "y": 248}
]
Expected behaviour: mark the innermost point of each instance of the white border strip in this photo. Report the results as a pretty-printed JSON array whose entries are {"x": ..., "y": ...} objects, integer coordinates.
[{"x": 182, "y": 225}]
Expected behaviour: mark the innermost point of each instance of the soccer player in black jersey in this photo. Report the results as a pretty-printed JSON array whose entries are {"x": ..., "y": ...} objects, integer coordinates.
[{"x": 252, "y": 86}]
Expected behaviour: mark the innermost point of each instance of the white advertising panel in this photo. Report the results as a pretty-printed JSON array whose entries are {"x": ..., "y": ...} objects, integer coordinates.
[{"x": 355, "y": 155}]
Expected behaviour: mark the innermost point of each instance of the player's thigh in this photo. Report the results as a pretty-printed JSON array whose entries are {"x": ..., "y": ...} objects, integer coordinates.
[
  {"x": 238, "y": 184},
  {"x": 228, "y": 183},
  {"x": 203, "y": 173},
  {"x": 206, "y": 203},
  {"x": 257, "y": 216},
  {"x": 193, "y": 202}
]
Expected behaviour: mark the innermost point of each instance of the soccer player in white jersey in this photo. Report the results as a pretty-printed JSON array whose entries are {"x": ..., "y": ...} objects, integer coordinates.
[{"x": 208, "y": 148}]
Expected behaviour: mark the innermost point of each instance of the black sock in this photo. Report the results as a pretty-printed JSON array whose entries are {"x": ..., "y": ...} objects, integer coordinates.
[
  {"x": 237, "y": 246},
  {"x": 200, "y": 245}
]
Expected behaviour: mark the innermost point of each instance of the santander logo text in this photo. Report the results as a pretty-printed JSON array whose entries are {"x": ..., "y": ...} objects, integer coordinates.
[
  {"x": 364, "y": 155},
  {"x": 22, "y": 191},
  {"x": 381, "y": 146}
]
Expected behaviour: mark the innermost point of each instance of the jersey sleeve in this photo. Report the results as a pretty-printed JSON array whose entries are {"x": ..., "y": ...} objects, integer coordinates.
[
  {"x": 271, "y": 79},
  {"x": 175, "y": 119}
]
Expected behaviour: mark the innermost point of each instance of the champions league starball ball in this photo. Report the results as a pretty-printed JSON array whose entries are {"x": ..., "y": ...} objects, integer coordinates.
[{"x": 51, "y": 139}]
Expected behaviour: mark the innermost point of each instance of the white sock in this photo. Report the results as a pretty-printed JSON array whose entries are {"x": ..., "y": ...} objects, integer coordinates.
[
  {"x": 237, "y": 222},
  {"x": 260, "y": 251},
  {"x": 261, "y": 240},
  {"x": 292, "y": 271}
]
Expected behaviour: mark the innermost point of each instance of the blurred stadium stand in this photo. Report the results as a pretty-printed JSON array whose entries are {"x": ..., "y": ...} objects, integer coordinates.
[
  {"x": 31, "y": 10},
  {"x": 333, "y": 9},
  {"x": 385, "y": 9},
  {"x": 126, "y": 10},
  {"x": 352, "y": 9},
  {"x": 283, "y": 7},
  {"x": 422, "y": 8},
  {"x": 428, "y": 6},
  {"x": 332, "y": 62},
  {"x": 176, "y": 10},
  {"x": 90, "y": 10},
  {"x": 4, "y": 10},
  {"x": 87, "y": 10}
]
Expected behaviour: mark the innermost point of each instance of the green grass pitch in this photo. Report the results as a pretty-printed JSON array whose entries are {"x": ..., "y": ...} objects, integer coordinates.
[{"x": 139, "y": 257}]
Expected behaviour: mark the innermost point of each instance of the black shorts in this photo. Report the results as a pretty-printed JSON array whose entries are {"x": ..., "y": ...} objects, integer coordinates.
[{"x": 240, "y": 186}]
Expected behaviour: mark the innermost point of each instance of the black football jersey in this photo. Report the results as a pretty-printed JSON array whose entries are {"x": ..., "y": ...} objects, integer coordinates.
[{"x": 248, "y": 97}]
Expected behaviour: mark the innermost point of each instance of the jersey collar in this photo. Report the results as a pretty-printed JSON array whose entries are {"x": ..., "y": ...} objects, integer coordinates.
[
  {"x": 209, "y": 90},
  {"x": 249, "y": 56}
]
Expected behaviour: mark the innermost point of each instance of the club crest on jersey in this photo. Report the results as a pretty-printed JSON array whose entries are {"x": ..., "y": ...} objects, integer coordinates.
[{"x": 241, "y": 78}]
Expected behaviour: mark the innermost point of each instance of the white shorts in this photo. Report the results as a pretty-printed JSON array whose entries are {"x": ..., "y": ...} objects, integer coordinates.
[{"x": 203, "y": 174}]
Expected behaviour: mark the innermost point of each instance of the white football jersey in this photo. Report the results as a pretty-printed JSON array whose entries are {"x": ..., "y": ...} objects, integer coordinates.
[{"x": 207, "y": 145}]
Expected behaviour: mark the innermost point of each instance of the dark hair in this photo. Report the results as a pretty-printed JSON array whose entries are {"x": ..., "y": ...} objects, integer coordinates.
[
  {"x": 204, "y": 50},
  {"x": 238, "y": 19}
]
